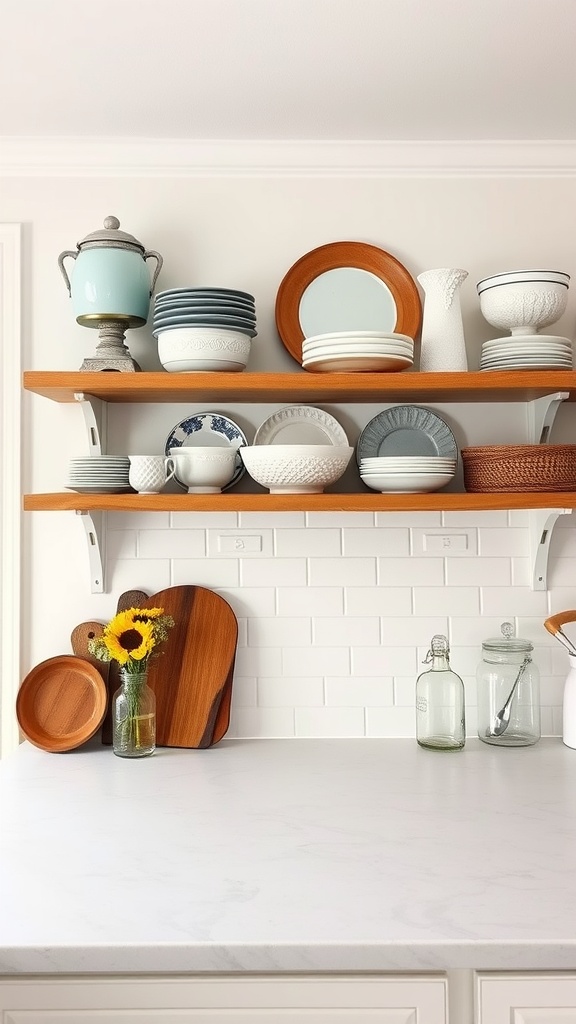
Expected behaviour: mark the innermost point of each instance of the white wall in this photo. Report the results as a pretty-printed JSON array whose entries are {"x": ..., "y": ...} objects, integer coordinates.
[{"x": 336, "y": 614}]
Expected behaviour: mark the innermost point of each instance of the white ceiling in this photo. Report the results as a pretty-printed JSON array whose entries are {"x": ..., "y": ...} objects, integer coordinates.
[{"x": 289, "y": 69}]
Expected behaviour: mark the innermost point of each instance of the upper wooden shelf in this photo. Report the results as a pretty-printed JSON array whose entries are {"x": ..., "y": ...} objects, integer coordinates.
[{"x": 493, "y": 386}]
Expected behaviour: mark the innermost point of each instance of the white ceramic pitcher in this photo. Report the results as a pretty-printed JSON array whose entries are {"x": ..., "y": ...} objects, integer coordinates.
[{"x": 569, "y": 705}]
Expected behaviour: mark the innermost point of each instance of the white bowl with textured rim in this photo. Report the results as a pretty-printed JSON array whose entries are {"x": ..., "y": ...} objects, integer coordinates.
[
  {"x": 187, "y": 349},
  {"x": 296, "y": 468},
  {"x": 522, "y": 307}
]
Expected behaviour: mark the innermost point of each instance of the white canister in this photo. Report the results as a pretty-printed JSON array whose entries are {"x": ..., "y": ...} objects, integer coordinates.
[{"x": 569, "y": 705}]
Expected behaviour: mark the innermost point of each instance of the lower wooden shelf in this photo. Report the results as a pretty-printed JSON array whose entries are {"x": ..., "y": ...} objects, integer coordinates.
[{"x": 438, "y": 501}]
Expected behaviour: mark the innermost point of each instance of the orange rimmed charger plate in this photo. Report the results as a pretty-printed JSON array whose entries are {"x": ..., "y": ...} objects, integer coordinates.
[
  {"x": 61, "y": 703},
  {"x": 334, "y": 256}
]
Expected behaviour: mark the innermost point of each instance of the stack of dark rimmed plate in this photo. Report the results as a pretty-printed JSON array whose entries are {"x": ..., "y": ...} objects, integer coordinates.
[{"x": 204, "y": 328}]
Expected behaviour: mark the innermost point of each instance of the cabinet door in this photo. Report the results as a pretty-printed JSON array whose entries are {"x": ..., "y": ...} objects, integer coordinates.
[
  {"x": 526, "y": 998},
  {"x": 281, "y": 999}
]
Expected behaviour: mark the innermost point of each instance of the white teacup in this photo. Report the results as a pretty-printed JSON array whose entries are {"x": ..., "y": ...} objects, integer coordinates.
[
  {"x": 203, "y": 470},
  {"x": 149, "y": 473}
]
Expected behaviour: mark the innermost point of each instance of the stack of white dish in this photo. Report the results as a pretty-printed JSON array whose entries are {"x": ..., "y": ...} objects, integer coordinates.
[
  {"x": 532, "y": 352},
  {"x": 204, "y": 329},
  {"x": 357, "y": 351},
  {"x": 99, "y": 474},
  {"x": 408, "y": 474}
]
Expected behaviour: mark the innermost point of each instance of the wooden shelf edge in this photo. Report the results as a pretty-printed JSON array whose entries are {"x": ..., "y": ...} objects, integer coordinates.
[
  {"x": 301, "y": 386},
  {"x": 438, "y": 501}
]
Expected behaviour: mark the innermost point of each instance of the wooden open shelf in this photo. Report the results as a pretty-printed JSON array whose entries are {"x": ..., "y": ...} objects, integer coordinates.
[
  {"x": 437, "y": 502},
  {"x": 302, "y": 387}
]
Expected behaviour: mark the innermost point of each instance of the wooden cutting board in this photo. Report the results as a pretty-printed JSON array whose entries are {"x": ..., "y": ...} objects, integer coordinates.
[{"x": 192, "y": 679}]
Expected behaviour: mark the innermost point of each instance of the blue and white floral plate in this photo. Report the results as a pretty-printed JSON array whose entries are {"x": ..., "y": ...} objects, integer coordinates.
[{"x": 212, "y": 430}]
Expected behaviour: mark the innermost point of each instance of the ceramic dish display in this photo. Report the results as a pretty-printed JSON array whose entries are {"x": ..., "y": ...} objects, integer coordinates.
[
  {"x": 296, "y": 468},
  {"x": 300, "y": 424},
  {"x": 219, "y": 292},
  {"x": 346, "y": 287},
  {"x": 208, "y": 429},
  {"x": 408, "y": 483},
  {"x": 406, "y": 430},
  {"x": 359, "y": 363},
  {"x": 61, "y": 703},
  {"x": 203, "y": 302}
]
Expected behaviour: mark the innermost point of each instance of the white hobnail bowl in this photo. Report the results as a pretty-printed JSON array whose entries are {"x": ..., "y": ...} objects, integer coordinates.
[
  {"x": 203, "y": 470},
  {"x": 523, "y": 306},
  {"x": 406, "y": 483},
  {"x": 296, "y": 468},
  {"x": 188, "y": 349}
]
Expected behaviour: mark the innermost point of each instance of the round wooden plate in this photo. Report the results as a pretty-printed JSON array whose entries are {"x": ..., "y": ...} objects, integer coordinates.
[
  {"x": 61, "y": 703},
  {"x": 335, "y": 255}
]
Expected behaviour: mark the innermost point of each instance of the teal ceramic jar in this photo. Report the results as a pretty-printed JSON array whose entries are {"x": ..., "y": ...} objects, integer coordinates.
[{"x": 110, "y": 279}]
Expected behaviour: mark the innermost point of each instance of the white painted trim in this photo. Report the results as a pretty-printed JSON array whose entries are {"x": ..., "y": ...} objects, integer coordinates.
[
  {"x": 10, "y": 515},
  {"x": 106, "y": 157}
]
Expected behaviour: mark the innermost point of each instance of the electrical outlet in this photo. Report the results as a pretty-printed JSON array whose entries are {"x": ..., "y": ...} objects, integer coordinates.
[
  {"x": 443, "y": 542},
  {"x": 242, "y": 543}
]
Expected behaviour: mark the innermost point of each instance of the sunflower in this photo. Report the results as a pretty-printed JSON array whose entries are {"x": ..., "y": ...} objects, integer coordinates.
[{"x": 128, "y": 639}]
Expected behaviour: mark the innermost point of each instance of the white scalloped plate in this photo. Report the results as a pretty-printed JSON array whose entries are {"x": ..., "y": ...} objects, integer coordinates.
[{"x": 300, "y": 424}]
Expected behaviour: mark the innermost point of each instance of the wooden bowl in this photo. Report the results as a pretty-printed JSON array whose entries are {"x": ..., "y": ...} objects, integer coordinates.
[{"x": 61, "y": 703}]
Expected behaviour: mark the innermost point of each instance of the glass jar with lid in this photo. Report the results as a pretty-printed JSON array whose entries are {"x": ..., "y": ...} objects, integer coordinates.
[{"x": 508, "y": 691}]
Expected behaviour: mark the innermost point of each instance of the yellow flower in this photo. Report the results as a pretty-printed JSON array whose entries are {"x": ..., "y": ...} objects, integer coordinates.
[{"x": 126, "y": 638}]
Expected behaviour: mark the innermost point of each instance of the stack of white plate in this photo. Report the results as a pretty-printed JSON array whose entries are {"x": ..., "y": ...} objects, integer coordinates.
[
  {"x": 407, "y": 474},
  {"x": 99, "y": 474},
  {"x": 357, "y": 351},
  {"x": 527, "y": 352}
]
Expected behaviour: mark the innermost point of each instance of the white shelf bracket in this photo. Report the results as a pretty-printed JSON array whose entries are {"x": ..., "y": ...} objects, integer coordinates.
[
  {"x": 541, "y": 524},
  {"x": 93, "y": 523},
  {"x": 94, "y": 411},
  {"x": 541, "y": 416}
]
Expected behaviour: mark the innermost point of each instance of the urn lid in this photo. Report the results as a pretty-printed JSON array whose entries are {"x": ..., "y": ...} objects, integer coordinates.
[
  {"x": 508, "y": 642},
  {"x": 111, "y": 236}
]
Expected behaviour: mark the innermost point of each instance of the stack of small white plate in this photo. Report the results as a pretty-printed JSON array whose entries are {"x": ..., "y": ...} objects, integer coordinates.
[
  {"x": 99, "y": 474},
  {"x": 407, "y": 474},
  {"x": 527, "y": 352},
  {"x": 357, "y": 351}
]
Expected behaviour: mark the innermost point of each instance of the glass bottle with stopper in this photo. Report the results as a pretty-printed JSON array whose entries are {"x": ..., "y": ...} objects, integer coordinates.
[{"x": 440, "y": 715}]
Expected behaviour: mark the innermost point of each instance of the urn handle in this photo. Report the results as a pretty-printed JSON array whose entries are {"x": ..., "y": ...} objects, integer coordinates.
[
  {"x": 159, "y": 261},
  {"x": 61, "y": 259}
]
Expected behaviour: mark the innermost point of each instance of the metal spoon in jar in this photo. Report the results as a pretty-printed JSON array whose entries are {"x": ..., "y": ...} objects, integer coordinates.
[{"x": 501, "y": 720}]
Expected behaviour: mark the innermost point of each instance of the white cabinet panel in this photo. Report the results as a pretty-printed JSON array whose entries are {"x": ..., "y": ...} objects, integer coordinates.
[
  {"x": 282, "y": 999},
  {"x": 526, "y": 998}
]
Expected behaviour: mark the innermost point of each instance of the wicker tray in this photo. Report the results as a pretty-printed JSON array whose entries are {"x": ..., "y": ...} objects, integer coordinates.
[{"x": 520, "y": 467}]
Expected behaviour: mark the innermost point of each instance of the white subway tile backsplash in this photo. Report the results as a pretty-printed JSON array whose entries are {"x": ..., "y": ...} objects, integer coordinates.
[
  {"x": 171, "y": 543},
  {"x": 298, "y": 543},
  {"x": 285, "y": 632},
  {"x": 411, "y": 572},
  {"x": 446, "y": 601},
  {"x": 504, "y": 543},
  {"x": 380, "y": 541},
  {"x": 335, "y": 614},
  {"x": 329, "y": 722},
  {"x": 260, "y": 723},
  {"x": 252, "y": 602},
  {"x": 382, "y": 600},
  {"x": 478, "y": 572},
  {"x": 383, "y": 661},
  {"x": 345, "y": 572},
  {"x": 273, "y": 572},
  {"x": 313, "y": 601},
  {"x": 206, "y": 572},
  {"x": 290, "y": 692},
  {"x": 350, "y": 630},
  {"x": 316, "y": 661},
  {"x": 359, "y": 692}
]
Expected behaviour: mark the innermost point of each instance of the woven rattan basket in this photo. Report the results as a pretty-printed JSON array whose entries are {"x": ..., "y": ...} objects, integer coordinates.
[{"x": 520, "y": 467}]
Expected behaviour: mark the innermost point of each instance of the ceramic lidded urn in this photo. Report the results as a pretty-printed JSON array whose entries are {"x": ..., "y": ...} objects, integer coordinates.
[{"x": 110, "y": 279}]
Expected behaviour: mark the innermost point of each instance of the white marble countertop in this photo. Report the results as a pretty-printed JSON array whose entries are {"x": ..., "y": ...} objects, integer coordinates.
[{"x": 289, "y": 855}]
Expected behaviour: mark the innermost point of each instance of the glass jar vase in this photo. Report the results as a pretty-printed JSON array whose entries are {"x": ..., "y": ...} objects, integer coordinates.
[
  {"x": 508, "y": 691},
  {"x": 134, "y": 716}
]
